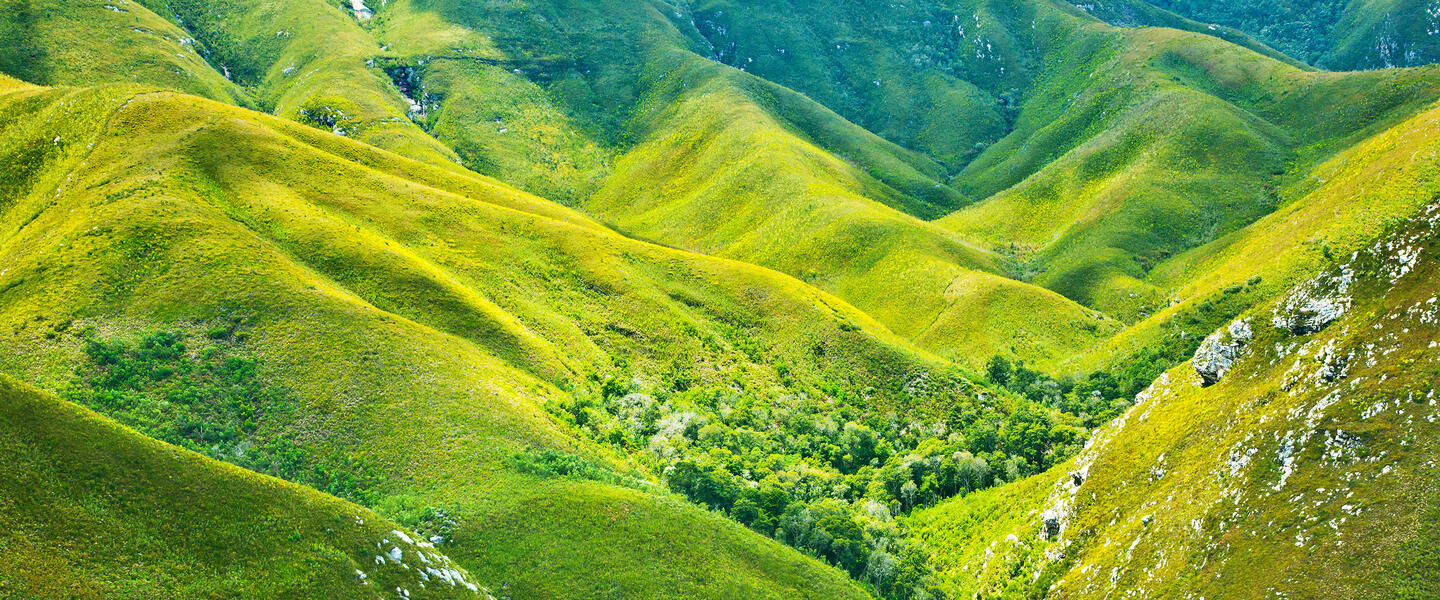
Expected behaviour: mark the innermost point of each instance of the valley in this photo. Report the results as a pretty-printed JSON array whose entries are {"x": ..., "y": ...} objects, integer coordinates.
[{"x": 718, "y": 299}]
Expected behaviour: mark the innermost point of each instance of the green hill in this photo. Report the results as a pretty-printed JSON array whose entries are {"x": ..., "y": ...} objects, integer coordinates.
[
  {"x": 718, "y": 298},
  {"x": 92, "y": 509},
  {"x": 397, "y": 346},
  {"x": 73, "y": 42},
  {"x": 1084, "y": 156},
  {"x": 1313, "y": 456},
  {"x": 801, "y": 189},
  {"x": 306, "y": 60},
  {"x": 1081, "y": 158},
  {"x": 1341, "y": 35}
]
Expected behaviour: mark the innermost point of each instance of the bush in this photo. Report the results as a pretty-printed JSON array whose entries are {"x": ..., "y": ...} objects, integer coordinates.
[{"x": 212, "y": 400}]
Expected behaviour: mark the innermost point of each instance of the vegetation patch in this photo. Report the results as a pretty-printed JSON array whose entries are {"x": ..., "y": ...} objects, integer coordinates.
[
  {"x": 832, "y": 477},
  {"x": 209, "y": 395}
]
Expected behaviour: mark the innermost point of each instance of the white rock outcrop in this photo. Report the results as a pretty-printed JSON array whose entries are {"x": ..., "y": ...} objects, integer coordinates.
[
  {"x": 1218, "y": 353},
  {"x": 1316, "y": 303}
]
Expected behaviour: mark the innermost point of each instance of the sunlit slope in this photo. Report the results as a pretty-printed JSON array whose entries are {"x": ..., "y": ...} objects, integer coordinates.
[
  {"x": 710, "y": 159},
  {"x": 939, "y": 77},
  {"x": 565, "y": 77},
  {"x": 1336, "y": 209},
  {"x": 1096, "y": 153},
  {"x": 1179, "y": 14},
  {"x": 722, "y": 176},
  {"x": 945, "y": 78},
  {"x": 307, "y": 60},
  {"x": 419, "y": 316},
  {"x": 1314, "y": 456},
  {"x": 1153, "y": 142},
  {"x": 1338, "y": 35},
  {"x": 89, "y": 42},
  {"x": 92, "y": 509}
]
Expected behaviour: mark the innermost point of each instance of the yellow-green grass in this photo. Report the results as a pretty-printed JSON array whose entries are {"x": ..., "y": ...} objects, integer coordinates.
[
  {"x": 986, "y": 316},
  {"x": 284, "y": 57},
  {"x": 515, "y": 105},
  {"x": 303, "y": 55},
  {"x": 1123, "y": 148},
  {"x": 968, "y": 537},
  {"x": 721, "y": 176},
  {"x": 1374, "y": 34},
  {"x": 1313, "y": 457},
  {"x": 1346, "y": 35},
  {"x": 723, "y": 196},
  {"x": 1195, "y": 17},
  {"x": 1151, "y": 142},
  {"x": 92, "y": 509},
  {"x": 533, "y": 90},
  {"x": 504, "y": 125},
  {"x": 1338, "y": 209},
  {"x": 90, "y": 42},
  {"x": 926, "y": 75},
  {"x": 420, "y": 316}
]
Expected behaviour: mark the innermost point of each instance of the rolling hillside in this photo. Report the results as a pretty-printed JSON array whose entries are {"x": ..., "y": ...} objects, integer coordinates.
[
  {"x": 1081, "y": 157},
  {"x": 1313, "y": 455},
  {"x": 1340, "y": 35},
  {"x": 370, "y": 318},
  {"x": 718, "y": 299},
  {"x": 94, "y": 510}
]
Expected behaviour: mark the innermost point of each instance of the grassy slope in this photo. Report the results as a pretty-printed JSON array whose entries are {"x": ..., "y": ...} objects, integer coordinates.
[
  {"x": 1127, "y": 146},
  {"x": 721, "y": 162},
  {"x": 1180, "y": 15},
  {"x": 1130, "y": 147},
  {"x": 1374, "y": 34},
  {"x": 88, "y": 42},
  {"x": 1328, "y": 481},
  {"x": 723, "y": 177},
  {"x": 1150, "y": 142},
  {"x": 927, "y": 75},
  {"x": 491, "y": 105},
  {"x": 420, "y": 316},
  {"x": 1338, "y": 35},
  {"x": 1121, "y": 148},
  {"x": 1337, "y": 209},
  {"x": 312, "y": 56},
  {"x": 91, "y": 509},
  {"x": 283, "y": 57}
]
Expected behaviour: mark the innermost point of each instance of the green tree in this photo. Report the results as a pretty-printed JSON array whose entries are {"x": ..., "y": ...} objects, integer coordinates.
[
  {"x": 998, "y": 370},
  {"x": 1027, "y": 434}
]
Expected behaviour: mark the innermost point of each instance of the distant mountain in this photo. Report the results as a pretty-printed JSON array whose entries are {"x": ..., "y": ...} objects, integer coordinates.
[{"x": 1340, "y": 35}]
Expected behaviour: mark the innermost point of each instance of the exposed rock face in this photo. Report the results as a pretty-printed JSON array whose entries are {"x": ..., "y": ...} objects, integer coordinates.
[
  {"x": 1315, "y": 304},
  {"x": 1220, "y": 351},
  {"x": 1333, "y": 364},
  {"x": 1051, "y": 521}
]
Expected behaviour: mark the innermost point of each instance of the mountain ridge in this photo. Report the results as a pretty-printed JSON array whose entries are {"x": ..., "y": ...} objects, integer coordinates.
[{"x": 728, "y": 298}]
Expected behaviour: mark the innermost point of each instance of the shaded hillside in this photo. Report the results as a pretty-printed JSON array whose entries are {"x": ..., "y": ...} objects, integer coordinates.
[
  {"x": 1339, "y": 35},
  {"x": 800, "y": 188},
  {"x": 306, "y": 60},
  {"x": 1313, "y": 455},
  {"x": 95, "y": 510},
  {"x": 58, "y": 43},
  {"x": 716, "y": 299},
  {"x": 1089, "y": 155},
  {"x": 1192, "y": 139},
  {"x": 418, "y": 334}
]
